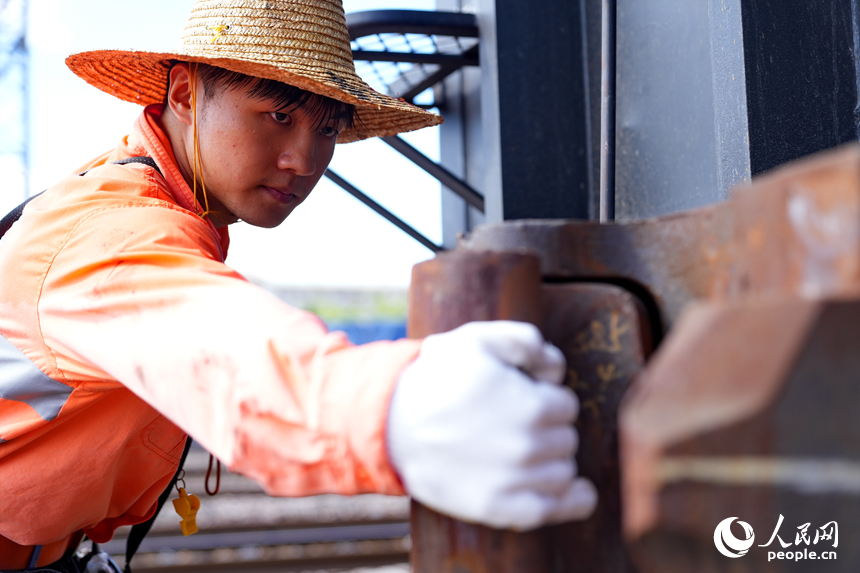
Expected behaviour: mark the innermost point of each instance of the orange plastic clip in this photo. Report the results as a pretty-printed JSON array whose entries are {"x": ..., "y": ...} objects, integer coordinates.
[{"x": 187, "y": 506}]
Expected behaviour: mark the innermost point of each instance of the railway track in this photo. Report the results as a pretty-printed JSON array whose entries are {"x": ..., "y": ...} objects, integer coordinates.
[{"x": 243, "y": 529}]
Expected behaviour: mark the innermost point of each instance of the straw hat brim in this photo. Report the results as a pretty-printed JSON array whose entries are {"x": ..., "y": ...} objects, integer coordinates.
[{"x": 141, "y": 77}]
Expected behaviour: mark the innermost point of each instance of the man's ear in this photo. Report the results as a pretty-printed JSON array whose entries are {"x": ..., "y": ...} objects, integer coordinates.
[{"x": 179, "y": 93}]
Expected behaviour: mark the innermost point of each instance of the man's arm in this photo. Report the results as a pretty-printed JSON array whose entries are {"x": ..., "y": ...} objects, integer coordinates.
[
  {"x": 479, "y": 427},
  {"x": 135, "y": 294}
]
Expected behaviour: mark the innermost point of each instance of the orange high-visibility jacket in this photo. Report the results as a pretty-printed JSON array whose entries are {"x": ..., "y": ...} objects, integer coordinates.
[{"x": 117, "y": 291}]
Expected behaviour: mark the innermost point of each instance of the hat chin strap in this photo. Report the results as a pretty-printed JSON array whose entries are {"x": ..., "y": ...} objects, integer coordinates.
[{"x": 198, "y": 161}]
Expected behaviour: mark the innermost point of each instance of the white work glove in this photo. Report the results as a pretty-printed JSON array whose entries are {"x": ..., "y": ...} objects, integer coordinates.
[{"x": 480, "y": 429}]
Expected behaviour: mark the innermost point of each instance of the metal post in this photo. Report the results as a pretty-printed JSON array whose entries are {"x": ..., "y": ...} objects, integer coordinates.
[
  {"x": 607, "y": 112},
  {"x": 448, "y": 291}
]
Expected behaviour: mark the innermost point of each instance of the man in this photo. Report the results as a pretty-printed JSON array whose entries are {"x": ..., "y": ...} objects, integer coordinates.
[{"x": 121, "y": 328}]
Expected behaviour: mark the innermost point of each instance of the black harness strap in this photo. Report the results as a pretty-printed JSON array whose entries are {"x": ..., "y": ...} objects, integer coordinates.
[
  {"x": 139, "y": 531},
  {"x": 15, "y": 214},
  {"x": 145, "y": 160}
]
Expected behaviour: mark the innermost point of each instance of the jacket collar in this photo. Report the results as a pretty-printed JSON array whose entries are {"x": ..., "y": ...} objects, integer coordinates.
[{"x": 147, "y": 138}]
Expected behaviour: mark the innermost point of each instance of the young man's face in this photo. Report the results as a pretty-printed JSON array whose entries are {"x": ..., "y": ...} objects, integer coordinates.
[{"x": 259, "y": 162}]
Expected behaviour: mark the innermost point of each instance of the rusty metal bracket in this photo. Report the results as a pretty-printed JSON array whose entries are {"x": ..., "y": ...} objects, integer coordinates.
[{"x": 794, "y": 231}]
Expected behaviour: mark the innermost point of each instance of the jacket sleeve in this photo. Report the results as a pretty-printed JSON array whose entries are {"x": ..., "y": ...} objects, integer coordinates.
[{"x": 134, "y": 297}]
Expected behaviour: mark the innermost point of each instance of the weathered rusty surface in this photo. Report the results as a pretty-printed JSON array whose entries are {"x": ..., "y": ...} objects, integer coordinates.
[
  {"x": 604, "y": 334},
  {"x": 751, "y": 414},
  {"x": 746, "y": 410},
  {"x": 662, "y": 257},
  {"x": 707, "y": 375},
  {"x": 448, "y": 291},
  {"x": 459, "y": 287},
  {"x": 793, "y": 231},
  {"x": 605, "y": 337},
  {"x": 799, "y": 229}
]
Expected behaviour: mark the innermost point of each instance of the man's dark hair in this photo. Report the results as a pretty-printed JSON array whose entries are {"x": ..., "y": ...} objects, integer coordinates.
[{"x": 320, "y": 108}]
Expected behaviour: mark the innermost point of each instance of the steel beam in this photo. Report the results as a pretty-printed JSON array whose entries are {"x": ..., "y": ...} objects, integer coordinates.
[
  {"x": 371, "y": 22},
  {"x": 465, "y": 59},
  {"x": 382, "y": 211},
  {"x": 444, "y": 176}
]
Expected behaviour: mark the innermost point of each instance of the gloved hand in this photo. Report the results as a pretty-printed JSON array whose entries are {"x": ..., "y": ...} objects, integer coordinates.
[{"x": 479, "y": 428}]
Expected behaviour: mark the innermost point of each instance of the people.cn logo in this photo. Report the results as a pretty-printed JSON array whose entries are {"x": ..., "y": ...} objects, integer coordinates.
[{"x": 727, "y": 543}]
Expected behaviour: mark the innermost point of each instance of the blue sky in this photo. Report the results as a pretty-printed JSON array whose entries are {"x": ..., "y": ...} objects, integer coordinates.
[{"x": 332, "y": 240}]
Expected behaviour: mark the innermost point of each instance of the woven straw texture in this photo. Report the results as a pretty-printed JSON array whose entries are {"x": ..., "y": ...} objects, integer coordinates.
[{"x": 303, "y": 43}]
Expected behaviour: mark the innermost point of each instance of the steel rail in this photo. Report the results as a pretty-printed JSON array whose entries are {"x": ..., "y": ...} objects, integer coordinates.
[{"x": 239, "y": 538}]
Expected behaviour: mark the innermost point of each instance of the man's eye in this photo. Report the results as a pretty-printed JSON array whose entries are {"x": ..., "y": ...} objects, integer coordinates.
[
  {"x": 282, "y": 117},
  {"x": 329, "y": 131}
]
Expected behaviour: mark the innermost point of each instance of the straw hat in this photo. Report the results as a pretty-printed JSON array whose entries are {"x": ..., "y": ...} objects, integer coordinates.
[{"x": 303, "y": 43}]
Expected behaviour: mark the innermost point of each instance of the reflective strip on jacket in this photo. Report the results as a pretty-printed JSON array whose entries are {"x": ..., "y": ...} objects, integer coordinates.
[{"x": 117, "y": 291}]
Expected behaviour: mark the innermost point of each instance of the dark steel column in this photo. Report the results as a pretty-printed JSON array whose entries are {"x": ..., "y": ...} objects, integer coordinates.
[
  {"x": 802, "y": 78},
  {"x": 542, "y": 110}
]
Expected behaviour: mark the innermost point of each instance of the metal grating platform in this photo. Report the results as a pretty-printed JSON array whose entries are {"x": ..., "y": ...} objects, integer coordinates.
[{"x": 404, "y": 53}]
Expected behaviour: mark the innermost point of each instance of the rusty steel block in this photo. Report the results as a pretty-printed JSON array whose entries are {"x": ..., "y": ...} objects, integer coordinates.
[
  {"x": 747, "y": 411},
  {"x": 605, "y": 337},
  {"x": 456, "y": 288},
  {"x": 799, "y": 229}
]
